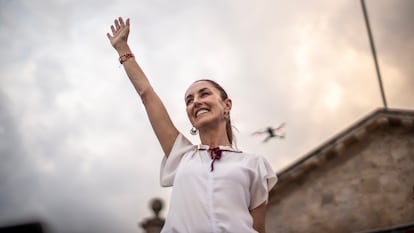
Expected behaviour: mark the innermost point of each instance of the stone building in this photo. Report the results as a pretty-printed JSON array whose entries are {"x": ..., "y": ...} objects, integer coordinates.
[{"x": 361, "y": 180}]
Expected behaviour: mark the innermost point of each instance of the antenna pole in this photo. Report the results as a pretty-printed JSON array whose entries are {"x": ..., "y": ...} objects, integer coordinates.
[{"x": 374, "y": 53}]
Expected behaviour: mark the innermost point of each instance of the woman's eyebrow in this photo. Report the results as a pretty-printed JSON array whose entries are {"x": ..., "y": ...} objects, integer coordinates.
[
  {"x": 203, "y": 89},
  {"x": 199, "y": 91}
]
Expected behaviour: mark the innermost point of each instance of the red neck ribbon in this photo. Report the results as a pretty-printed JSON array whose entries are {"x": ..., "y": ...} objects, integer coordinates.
[{"x": 215, "y": 154}]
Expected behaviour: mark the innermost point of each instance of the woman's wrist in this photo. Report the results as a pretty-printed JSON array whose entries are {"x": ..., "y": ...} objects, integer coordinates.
[
  {"x": 123, "y": 49},
  {"x": 123, "y": 58}
]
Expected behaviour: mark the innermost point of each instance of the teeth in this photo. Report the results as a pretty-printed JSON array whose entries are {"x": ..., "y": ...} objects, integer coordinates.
[{"x": 201, "y": 112}]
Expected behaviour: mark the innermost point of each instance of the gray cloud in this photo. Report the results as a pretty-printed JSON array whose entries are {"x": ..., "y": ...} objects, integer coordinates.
[
  {"x": 77, "y": 149},
  {"x": 13, "y": 156},
  {"x": 394, "y": 39}
]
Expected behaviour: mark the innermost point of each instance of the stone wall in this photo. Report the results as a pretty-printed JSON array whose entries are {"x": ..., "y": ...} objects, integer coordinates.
[{"x": 368, "y": 185}]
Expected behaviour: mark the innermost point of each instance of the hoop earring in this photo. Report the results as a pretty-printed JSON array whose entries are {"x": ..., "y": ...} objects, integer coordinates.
[
  {"x": 193, "y": 131},
  {"x": 226, "y": 115}
]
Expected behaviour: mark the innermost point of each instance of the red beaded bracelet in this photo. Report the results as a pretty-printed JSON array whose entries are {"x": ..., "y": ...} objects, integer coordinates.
[{"x": 125, "y": 57}]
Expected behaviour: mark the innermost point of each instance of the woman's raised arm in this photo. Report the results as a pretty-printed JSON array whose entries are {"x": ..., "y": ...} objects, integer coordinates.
[{"x": 160, "y": 120}]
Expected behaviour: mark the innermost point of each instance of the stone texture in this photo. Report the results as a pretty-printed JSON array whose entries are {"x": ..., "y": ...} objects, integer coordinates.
[{"x": 368, "y": 185}]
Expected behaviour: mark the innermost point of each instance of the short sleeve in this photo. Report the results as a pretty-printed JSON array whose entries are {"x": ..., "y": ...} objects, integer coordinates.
[
  {"x": 264, "y": 180},
  {"x": 170, "y": 164}
]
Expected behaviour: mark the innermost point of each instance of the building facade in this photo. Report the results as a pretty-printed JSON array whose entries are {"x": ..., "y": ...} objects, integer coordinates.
[{"x": 362, "y": 180}]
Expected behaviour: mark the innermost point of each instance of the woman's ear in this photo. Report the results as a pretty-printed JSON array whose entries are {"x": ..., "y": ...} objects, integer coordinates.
[{"x": 228, "y": 105}]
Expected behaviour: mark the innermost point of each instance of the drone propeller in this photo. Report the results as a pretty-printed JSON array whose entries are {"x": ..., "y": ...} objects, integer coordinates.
[{"x": 278, "y": 132}]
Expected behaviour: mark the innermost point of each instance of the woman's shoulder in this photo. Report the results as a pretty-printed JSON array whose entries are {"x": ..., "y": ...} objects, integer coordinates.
[
  {"x": 251, "y": 155},
  {"x": 182, "y": 146},
  {"x": 253, "y": 158}
]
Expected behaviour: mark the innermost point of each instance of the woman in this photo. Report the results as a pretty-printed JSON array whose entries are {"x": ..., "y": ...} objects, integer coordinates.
[{"x": 216, "y": 188}]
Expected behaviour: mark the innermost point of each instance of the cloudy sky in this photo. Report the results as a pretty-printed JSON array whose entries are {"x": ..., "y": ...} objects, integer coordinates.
[{"x": 77, "y": 151}]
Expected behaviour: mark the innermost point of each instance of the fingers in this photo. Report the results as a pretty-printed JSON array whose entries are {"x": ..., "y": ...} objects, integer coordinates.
[
  {"x": 118, "y": 24},
  {"x": 121, "y": 22}
]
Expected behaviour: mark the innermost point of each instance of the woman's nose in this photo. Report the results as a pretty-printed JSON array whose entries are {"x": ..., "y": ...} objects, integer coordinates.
[
  {"x": 196, "y": 101},
  {"x": 197, "y": 104}
]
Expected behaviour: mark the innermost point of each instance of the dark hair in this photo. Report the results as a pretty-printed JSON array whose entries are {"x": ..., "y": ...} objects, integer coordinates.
[{"x": 224, "y": 96}]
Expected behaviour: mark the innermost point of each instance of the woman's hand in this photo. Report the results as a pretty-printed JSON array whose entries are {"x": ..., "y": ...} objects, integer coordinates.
[{"x": 120, "y": 33}]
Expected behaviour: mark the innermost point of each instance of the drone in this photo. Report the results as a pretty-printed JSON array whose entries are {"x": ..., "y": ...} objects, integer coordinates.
[{"x": 278, "y": 132}]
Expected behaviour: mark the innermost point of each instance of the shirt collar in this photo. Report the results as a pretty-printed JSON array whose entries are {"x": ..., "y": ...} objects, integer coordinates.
[{"x": 226, "y": 148}]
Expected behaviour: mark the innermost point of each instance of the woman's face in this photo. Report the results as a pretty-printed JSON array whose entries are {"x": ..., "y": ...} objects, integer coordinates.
[{"x": 204, "y": 104}]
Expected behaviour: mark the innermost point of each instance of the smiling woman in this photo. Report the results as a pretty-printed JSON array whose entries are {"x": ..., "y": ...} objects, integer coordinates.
[
  {"x": 206, "y": 90},
  {"x": 216, "y": 188}
]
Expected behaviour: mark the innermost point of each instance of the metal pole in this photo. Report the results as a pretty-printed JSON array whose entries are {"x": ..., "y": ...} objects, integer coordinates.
[{"x": 371, "y": 40}]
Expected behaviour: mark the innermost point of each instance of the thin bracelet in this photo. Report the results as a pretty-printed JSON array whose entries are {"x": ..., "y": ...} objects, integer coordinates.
[{"x": 125, "y": 57}]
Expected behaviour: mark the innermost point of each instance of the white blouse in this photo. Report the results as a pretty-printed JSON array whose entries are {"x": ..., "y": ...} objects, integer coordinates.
[{"x": 217, "y": 201}]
